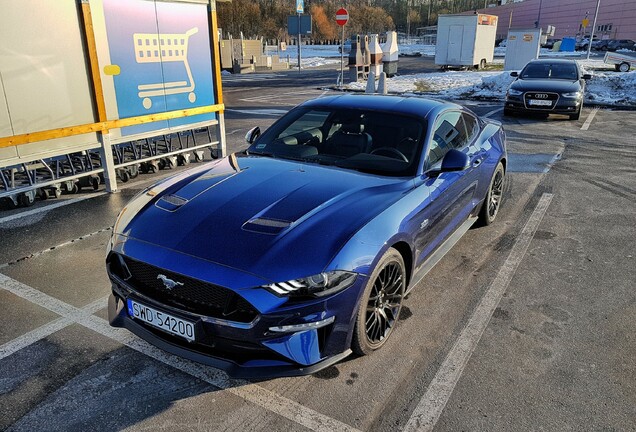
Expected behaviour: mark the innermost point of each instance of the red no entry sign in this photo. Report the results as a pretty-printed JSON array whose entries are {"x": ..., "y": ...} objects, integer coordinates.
[{"x": 342, "y": 16}]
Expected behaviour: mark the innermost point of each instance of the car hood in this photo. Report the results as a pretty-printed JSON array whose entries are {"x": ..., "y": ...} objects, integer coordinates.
[
  {"x": 269, "y": 217},
  {"x": 546, "y": 85}
]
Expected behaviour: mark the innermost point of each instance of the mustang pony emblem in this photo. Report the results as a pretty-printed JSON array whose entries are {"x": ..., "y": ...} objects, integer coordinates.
[{"x": 168, "y": 283}]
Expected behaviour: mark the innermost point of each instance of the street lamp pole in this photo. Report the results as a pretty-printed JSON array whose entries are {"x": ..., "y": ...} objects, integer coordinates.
[
  {"x": 589, "y": 45},
  {"x": 536, "y": 25}
]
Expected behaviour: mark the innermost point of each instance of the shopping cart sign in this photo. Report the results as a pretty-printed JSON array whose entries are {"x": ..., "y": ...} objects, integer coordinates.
[{"x": 158, "y": 48}]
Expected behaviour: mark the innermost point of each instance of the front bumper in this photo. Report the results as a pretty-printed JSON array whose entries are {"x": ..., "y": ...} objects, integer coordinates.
[
  {"x": 562, "y": 106},
  {"x": 252, "y": 350}
]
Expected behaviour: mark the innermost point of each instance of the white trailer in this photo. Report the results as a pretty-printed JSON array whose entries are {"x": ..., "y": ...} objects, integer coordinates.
[
  {"x": 465, "y": 40},
  {"x": 621, "y": 62}
]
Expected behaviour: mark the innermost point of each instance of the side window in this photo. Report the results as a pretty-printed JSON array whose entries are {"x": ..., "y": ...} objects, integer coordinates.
[
  {"x": 449, "y": 132},
  {"x": 472, "y": 127}
]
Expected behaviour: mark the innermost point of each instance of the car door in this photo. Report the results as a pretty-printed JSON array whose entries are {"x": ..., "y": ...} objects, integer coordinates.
[{"x": 449, "y": 194}]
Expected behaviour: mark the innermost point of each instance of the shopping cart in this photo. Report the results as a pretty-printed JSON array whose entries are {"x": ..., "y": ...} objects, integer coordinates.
[{"x": 157, "y": 48}]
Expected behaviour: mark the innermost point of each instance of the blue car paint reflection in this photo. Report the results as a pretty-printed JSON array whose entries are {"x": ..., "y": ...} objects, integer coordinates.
[{"x": 244, "y": 223}]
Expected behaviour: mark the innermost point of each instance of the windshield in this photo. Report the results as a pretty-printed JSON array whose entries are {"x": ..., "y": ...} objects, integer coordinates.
[
  {"x": 564, "y": 71},
  {"x": 369, "y": 141}
]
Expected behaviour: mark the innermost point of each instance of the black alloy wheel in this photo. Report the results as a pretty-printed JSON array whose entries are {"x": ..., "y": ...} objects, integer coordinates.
[
  {"x": 492, "y": 202},
  {"x": 381, "y": 304}
]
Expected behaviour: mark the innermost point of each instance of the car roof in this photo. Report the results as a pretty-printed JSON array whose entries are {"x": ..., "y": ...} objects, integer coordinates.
[
  {"x": 553, "y": 61},
  {"x": 409, "y": 105}
]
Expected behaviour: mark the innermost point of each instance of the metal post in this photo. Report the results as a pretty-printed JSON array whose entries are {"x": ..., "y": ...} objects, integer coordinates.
[
  {"x": 537, "y": 25},
  {"x": 589, "y": 45},
  {"x": 299, "y": 42},
  {"x": 342, "y": 58}
]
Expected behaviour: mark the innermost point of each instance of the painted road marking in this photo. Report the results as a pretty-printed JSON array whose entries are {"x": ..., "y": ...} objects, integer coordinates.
[
  {"x": 488, "y": 114},
  {"x": 252, "y": 393},
  {"x": 49, "y": 207},
  {"x": 589, "y": 119},
  {"x": 52, "y": 248},
  {"x": 432, "y": 404},
  {"x": 136, "y": 185},
  {"x": 48, "y": 329},
  {"x": 267, "y": 112}
]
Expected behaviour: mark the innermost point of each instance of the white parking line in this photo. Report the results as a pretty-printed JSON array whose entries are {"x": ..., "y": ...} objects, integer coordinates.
[
  {"x": 589, "y": 119},
  {"x": 432, "y": 404},
  {"x": 49, "y": 207},
  {"x": 252, "y": 393},
  {"x": 256, "y": 112},
  {"x": 488, "y": 114},
  {"x": 48, "y": 329}
]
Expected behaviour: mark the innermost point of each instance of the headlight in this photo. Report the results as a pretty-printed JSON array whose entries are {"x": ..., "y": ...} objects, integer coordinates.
[
  {"x": 513, "y": 92},
  {"x": 575, "y": 95},
  {"x": 317, "y": 285}
]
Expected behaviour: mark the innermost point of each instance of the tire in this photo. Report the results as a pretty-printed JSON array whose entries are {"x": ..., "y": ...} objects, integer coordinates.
[
  {"x": 482, "y": 64},
  {"x": 617, "y": 67},
  {"x": 577, "y": 114},
  {"x": 492, "y": 202},
  {"x": 624, "y": 67},
  {"x": 26, "y": 199},
  {"x": 124, "y": 175},
  {"x": 380, "y": 304}
]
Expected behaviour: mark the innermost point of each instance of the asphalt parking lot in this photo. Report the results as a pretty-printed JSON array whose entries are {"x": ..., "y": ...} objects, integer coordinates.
[{"x": 525, "y": 325}]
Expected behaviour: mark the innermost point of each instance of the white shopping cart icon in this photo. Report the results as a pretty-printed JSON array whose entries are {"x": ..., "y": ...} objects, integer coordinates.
[{"x": 157, "y": 48}]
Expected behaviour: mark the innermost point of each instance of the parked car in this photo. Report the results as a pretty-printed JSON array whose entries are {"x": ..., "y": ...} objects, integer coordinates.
[
  {"x": 617, "y": 44},
  {"x": 549, "y": 86},
  {"x": 549, "y": 43},
  {"x": 285, "y": 258},
  {"x": 601, "y": 45},
  {"x": 583, "y": 44}
]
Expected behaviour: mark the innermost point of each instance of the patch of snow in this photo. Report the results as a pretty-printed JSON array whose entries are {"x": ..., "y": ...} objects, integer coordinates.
[{"x": 612, "y": 88}]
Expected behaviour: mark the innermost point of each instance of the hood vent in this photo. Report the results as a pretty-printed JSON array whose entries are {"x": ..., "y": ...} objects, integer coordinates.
[
  {"x": 266, "y": 226},
  {"x": 170, "y": 202}
]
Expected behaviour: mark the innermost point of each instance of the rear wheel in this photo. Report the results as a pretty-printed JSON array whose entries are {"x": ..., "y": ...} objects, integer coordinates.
[
  {"x": 623, "y": 67},
  {"x": 492, "y": 202},
  {"x": 380, "y": 304}
]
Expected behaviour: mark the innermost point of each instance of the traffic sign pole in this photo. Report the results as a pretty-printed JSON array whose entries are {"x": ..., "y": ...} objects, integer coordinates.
[
  {"x": 342, "y": 16},
  {"x": 300, "y": 8},
  {"x": 342, "y": 59}
]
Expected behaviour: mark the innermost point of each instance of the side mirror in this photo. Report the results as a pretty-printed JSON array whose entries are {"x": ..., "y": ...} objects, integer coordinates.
[
  {"x": 455, "y": 160},
  {"x": 587, "y": 76},
  {"x": 514, "y": 74},
  {"x": 252, "y": 135}
]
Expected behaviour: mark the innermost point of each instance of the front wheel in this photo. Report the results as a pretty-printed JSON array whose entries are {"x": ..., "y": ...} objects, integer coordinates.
[
  {"x": 380, "y": 305},
  {"x": 577, "y": 114},
  {"x": 492, "y": 202}
]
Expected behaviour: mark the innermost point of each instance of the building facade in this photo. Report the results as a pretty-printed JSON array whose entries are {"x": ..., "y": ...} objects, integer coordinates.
[{"x": 616, "y": 18}]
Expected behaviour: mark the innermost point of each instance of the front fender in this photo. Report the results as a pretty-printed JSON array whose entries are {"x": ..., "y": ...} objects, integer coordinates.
[{"x": 394, "y": 225}]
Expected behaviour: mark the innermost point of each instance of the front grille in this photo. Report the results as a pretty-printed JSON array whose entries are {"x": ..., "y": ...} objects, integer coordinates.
[
  {"x": 188, "y": 294},
  {"x": 540, "y": 96}
]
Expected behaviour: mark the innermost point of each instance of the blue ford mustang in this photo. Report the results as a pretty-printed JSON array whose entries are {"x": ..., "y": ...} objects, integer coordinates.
[{"x": 288, "y": 257}]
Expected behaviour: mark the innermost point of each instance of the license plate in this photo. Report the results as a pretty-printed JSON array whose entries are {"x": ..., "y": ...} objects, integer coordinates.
[
  {"x": 161, "y": 320},
  {"x": 539, "y": 102}
]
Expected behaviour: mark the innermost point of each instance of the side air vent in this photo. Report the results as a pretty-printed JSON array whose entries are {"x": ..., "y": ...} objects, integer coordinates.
[
  {"x": 170, "y": 202},
  {"x": 266, "y": 226}
]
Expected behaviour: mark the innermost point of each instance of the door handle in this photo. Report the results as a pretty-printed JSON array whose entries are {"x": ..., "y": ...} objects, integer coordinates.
[{"x": 477, "y": 162}]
